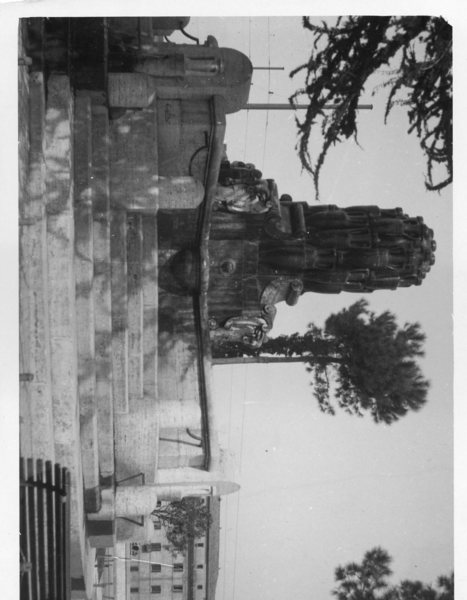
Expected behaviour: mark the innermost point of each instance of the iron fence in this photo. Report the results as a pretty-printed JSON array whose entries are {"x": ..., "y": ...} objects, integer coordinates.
[{"x": 44, "y": 530}]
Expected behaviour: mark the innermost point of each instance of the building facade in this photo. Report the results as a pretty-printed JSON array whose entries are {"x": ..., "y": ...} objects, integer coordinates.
[{"x": 153, "y": 570}]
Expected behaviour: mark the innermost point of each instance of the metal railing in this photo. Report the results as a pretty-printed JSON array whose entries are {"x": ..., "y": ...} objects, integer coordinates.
[{"x": 44, "y": 530}]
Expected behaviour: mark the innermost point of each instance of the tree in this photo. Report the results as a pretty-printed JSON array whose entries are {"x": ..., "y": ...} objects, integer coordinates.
[
  {"x": 362, "y": 581},
  {"x": 184, "y": 520},
  {"x": 368, "y": 581},
  {"x": 411, "y": 590},
  {"x": 372, "y": 361},
  {"x": 446, "y": 585},
  {"x": 344, "y": 57}
]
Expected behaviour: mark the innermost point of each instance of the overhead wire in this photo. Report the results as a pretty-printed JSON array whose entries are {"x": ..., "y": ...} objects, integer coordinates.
[
  {"x": 245, "y": 142},
  {"x": 242, "y": 437},
  {"x": 227, "y": 498},
  {"x": 269, "y": 95}
]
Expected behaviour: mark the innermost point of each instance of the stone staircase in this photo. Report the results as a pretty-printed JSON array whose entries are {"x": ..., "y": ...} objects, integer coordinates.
[
  {"x": 49, "y": 399},
  {"x": 116, "y": 297},
  {"x": 88, "y": 300}
]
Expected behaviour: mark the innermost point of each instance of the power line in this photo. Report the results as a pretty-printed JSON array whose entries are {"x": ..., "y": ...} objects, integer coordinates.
[
  {"x": 270, "y": 106},
  {"x": 227, "y": 498},
  {"x": 269, "y": 93},
  {"x": 245, "y": 379},
  {"x": 148, "y": 562},
  {"x": 247, "y": 113}
]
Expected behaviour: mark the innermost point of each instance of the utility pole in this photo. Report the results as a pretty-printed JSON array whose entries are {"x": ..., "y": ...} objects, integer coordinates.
[
  {"x": 244, "y": 360},
  {"x": 297, "y": 106}
]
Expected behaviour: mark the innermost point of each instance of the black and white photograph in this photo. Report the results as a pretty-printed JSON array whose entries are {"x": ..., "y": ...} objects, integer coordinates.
[{"x": 234, "y": 327}]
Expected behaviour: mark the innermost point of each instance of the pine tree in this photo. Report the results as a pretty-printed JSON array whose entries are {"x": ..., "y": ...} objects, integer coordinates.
[
  {"x": 368, "y": 580},
  {"x": 364, "y": 361}
]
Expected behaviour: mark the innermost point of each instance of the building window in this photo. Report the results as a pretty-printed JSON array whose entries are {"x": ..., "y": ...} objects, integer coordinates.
[
  {"x": 156, "y": 547},
  {"x": 200, "y": 545},
  {"x": 200, "y": 566},
  {"x": 134, "y": 568},
  {"x": 134, "y": 590},
  {"x": 157, "y": 524},
  {"x": 155, "y": 589},
  {"x": 155, "y": 568},
  {"x": 134, "y": 549},
  {"x": 177, "y": 588},
  {"x": 178, "y": 567},
  {"x": 199, "y": 587}
]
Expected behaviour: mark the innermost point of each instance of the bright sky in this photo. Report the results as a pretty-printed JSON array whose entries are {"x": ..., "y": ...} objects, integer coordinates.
[{"x": 318, "y": 491}]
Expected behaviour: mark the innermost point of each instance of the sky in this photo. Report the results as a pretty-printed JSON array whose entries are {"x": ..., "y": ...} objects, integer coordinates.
[{"x": 317, "y": 491}]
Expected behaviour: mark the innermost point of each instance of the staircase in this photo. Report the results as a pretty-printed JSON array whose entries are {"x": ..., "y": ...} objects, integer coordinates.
[
  {"x": 49, "y": 400},
  {"x": 88, "y": 301}
]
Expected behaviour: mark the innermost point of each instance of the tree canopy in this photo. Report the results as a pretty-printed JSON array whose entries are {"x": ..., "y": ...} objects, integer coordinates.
[
  {"x": 343, "y": 58},
  {"x": 362, "y": 581},
  {"x": 368, "y": 580},
  {"x": 362, "y": 361},
  {"x": 183, "y": 520}
]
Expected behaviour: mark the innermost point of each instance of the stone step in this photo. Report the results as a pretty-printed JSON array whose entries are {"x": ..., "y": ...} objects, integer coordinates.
[
  {"x": 135, "y": 293},
  {"x": 84, "y": 273},
  {"x": 36, "y": 414},
  {"x": 60, "y": 243},
  {"x": 149, "y": 286},
  {"x": 60, "y": 258},
  {"x": 134, "y": 161},
  {"x": 119, "y": 311},
  {"x": 135, "y": 306},
  {"x": 136, "y": 446},
  {"x": 102, "y": 288},
  {"x": 151, "y": 294}
]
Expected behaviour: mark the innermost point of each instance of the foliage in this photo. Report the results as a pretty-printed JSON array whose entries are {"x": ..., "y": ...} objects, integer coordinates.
[
  {"x": 376, "y": 371},
  {"x": 361, "y": 581},
  {"x": 368, "y": 581},
  {"x": 184, "y": 520},
  {"x": 344, "y": 57},
  {"x": 366, "y": 361}
]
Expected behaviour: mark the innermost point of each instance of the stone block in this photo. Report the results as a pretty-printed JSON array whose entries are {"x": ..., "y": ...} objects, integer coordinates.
[
  {"x": 136, "y": 443},
  {"x": 90, "y": 460},
  {"x": 132, "y": 90}
]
